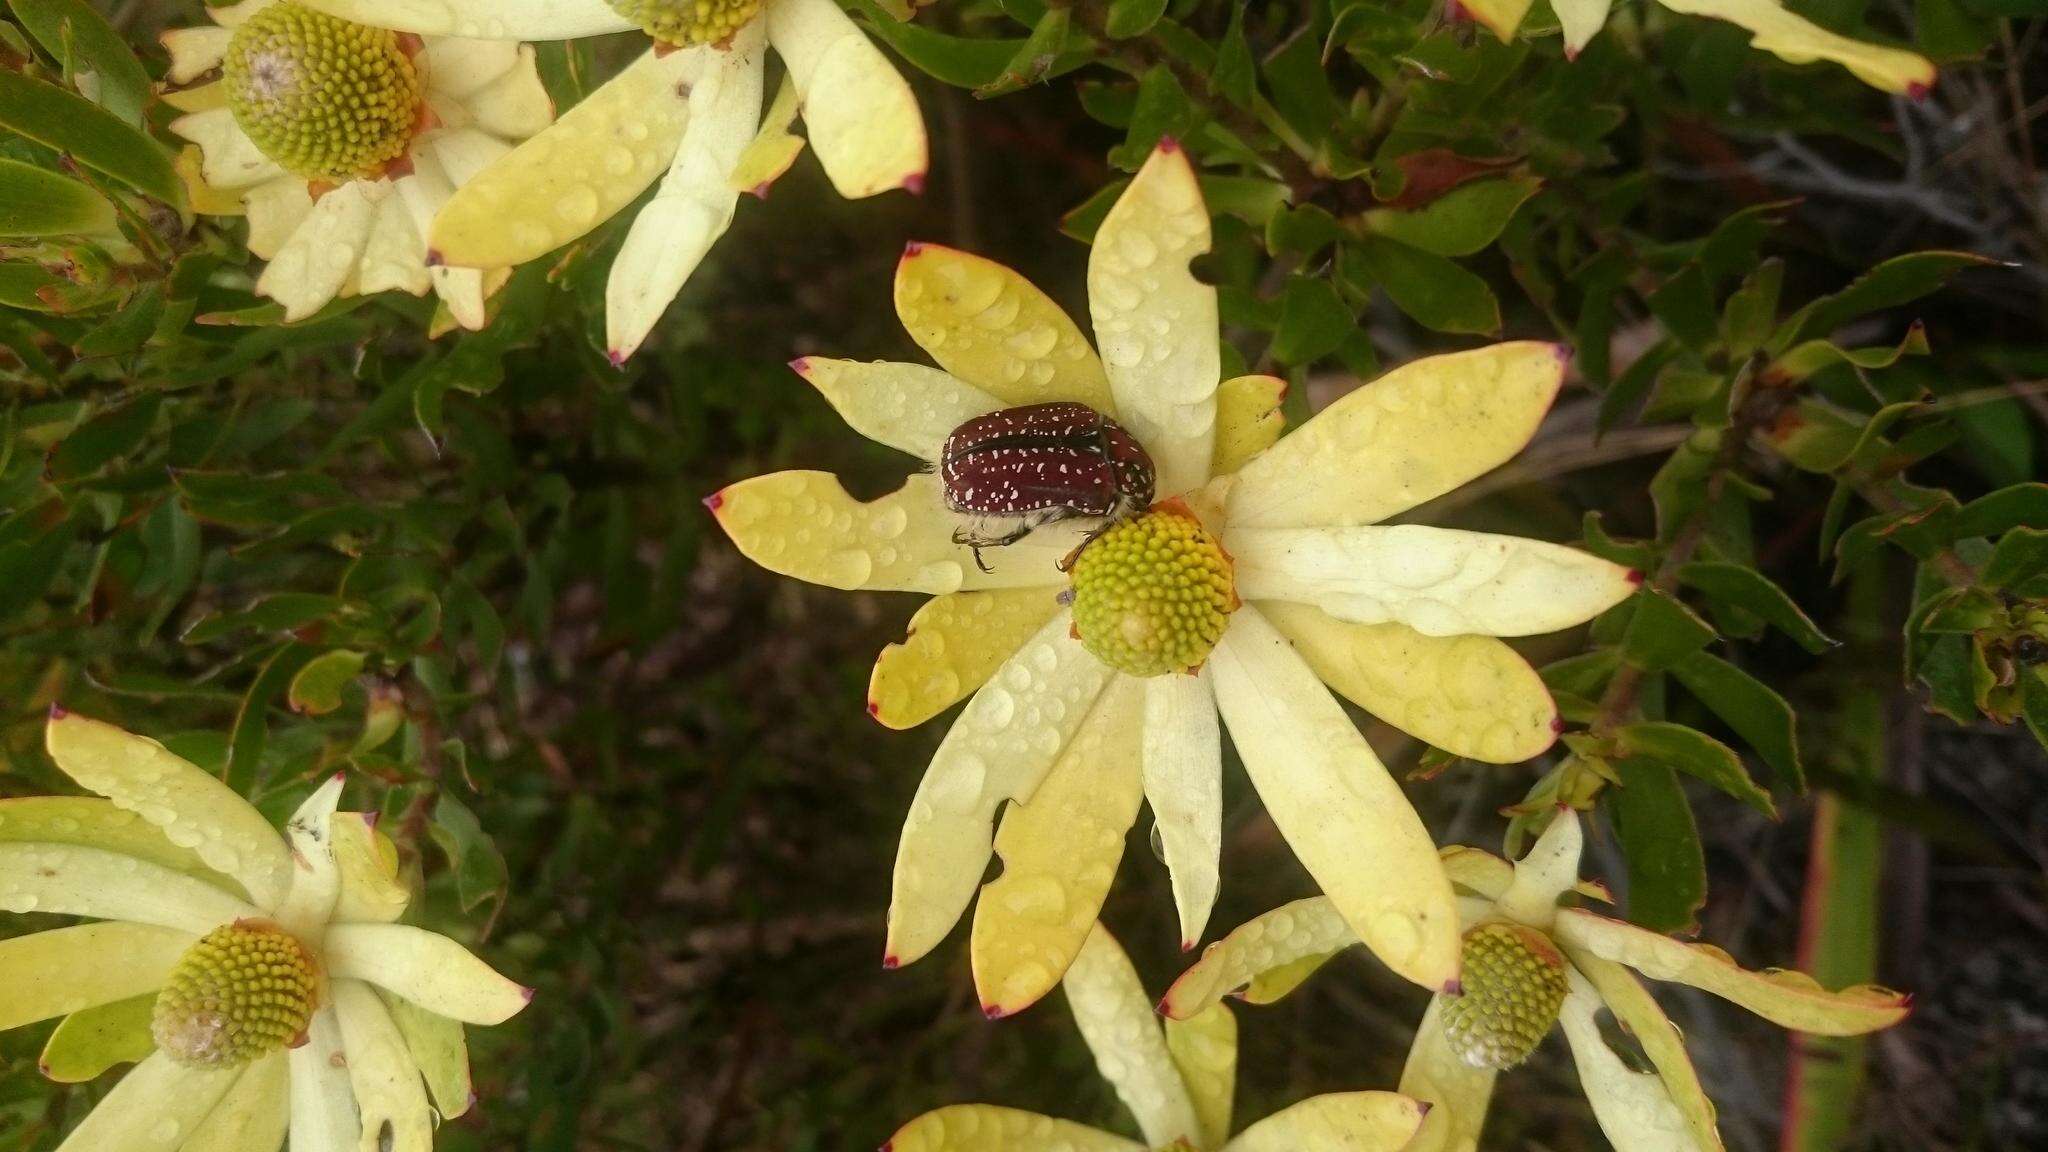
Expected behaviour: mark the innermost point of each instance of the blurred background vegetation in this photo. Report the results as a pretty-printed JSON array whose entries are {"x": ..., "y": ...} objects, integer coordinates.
[{"x": 635, "y": 770}]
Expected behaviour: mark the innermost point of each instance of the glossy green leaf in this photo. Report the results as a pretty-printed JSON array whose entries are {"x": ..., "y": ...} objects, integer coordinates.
[
  {"x": 1661, "y": 631},
  {"x": 480, "y": 874},
  {"x": 1753, "y": 592},
  {"x": 2019, "y": 556},
  {"x": 1667, "y": 871},
  {"x": 1128, "y": 18},
  {"x": 1462, "y": 221},
  {"x": 1429, "y": 288},
  {"x": 962, "y": 61},
  {"x": 1313, "y": 321},
  {"x": 1749, "y": 706},
  {"x": 317, "y": 688},
  {"x": 89, "y": 134},
  {"x": 38, "y": 202},
  {"x": 1897, "y": 281},
  {"x": 1696, "y": 754},
  {"x": 94, "y": 56}
]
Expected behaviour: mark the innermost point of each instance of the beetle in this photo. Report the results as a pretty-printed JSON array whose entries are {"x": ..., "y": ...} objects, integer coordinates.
[{"x": 1021, "y": 468}]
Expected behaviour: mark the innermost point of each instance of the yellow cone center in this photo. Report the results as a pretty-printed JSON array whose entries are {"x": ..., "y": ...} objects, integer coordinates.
[
  {"x": 244, "y": 990},
  {"x": 1514, "y": 985},
  {"x": 1153, "y": 594},
  {"x": 326, "y": 99},
  {"x": 688, "y": 23}
]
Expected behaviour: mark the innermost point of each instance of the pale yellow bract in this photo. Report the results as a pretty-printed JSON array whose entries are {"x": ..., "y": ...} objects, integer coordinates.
[
  {"x": 172, "y": 854},
  {"x": 1660, "y": 1111},
  {"x": 1177, "y": 1080},
  {"x": 365, "y": 235},
  {"x": 1403, "y": 620},
  {"x": 690, "y": 118},
  {"x": 1773, "y": 28}
]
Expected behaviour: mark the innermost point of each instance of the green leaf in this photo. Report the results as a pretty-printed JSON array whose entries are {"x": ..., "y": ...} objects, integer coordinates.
[
  {"x": 1753, "y": 592},
  {"x": 1313, "y": 321},
  {"x": 1033, "y": 61},
  {"x": 38, "y": 202},
  {"x": 1749, "y": 706},
  {"x": 1235, "y": 75},
  {"x": 1696, "y": 754},
  {"x": 480, "y": 873},
  {"x": 1899, "y": 280},
  {"x": 964, "y": 62},
  {"x": 1814, "y": 355},
  {"x": 317, "y": 689},
  {"x": 1667, "y": 871},
  {"x": 2020, "y": 555},
  {"x": 93, "y": 54},
  {"x": 1750, "y": 311},
  {"x": 1128, "y": 18},
  {"x": 1583, "y": 675},
  {"x": 1433, "y": 291},
  {"x": 1685, "y": 305},
  {"x": 1163, "y": 109},
  {"x": 88, "y": 1043},
  {"x": 105, "y": 438},
  {"x": 1462, "y": 221},
  {"x": 89, "y": 134},
  {"x": 1661, "y": 632},
  {"x": 2019, "y": 506}
]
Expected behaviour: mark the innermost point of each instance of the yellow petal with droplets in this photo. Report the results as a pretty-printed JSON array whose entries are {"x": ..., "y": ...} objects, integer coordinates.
[
  {"x": 1501, "y": 17},
  {"x": 483, "y": 19},
  {"x": 995, "y": 330},
  {"x": 1410, "y": 436},
  {"x": 439, "y": 1048},
  {"x": 1000, "y": 749},
  {"x": 1438, "y": 581},
  {"x": 159, "y": 1095},
  {"x": 577, "y": 173},
  {"x": 1791, "y": 37},
  {"x": 426, "y": 968},
  {"x": 987, "y": 1128},
  {"x": 805, "y": 525},
  {"x": 1582, "y": 20},
  {"x": 1786, "y": 997},
  {"x": 90, "y": 1041},
  {"x": 1060, "y": 851},
  {"x": 1472, "y": 696},
  {"x": 859, "y": 112},
  {"x": 70, "y": 881},
  {"x": 910, "y": 407},
  {"x": 66, "y": 970},
  {"x": 1361, "y": 1121},
  {"x": 1333, "y": 800},
  {"x": 1476, "y": 870},
  {"x": 774, "y": 148},
  {"x": 1310, "y": 929},
  {"x": 323, "y": 254},
  {"x": 89, "y": 822},
  {"x": 1634, "y": 1109},
  {"x": 673, "y": 232},
  {"x": 1545, "y": 873},
  {"x": 1183, "y": 760},
  {"x": 387, "y": 1085},
  {"x": 1204, "y": 1048},
  {"x": 194, "y": 809},
  {"x": 1456, "y": 1092},
  {"x": 1637, "y": 1011},
  {"x": 1116, "y": 1020},
  {"x": 323, "y": 1102},
  {"x": 1248, "y": 420},
  {"x": 254, "y": 1114},
  {"x": 370, "y": 888},
  {"x": 1155, "y": 322},
  {"x": 953, "y": 645}
]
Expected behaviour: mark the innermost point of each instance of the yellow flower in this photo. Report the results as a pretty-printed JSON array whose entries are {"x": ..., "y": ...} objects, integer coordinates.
[
  {"x": 342, "y": 142},
  {"x": 1177, "y": 1081},
  {"x": 1513, "y": 910},
  {"x": 262, "y": 980},
  {"x": 685, "y": 115},
  {"x": 1279, "y": 578},
  {"x": 1773, "y": 28}
]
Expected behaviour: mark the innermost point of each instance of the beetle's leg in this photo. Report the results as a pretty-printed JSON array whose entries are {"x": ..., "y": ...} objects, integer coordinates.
[
  {"x": 1067, "y": 562},
  {"x": 978, "y": 561}
]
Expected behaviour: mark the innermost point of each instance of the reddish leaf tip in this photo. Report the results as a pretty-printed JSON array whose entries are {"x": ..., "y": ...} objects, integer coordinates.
[
  {"x": 1168, "y": 145},
  {"x": 874, "y": 709},
  {"x": 914, "y": 183},
  {"x": 715, "y": 501},
  {"x": 913, "y": 249},
  {"x": 890, "y": 963},
  {"x": 57, "y": 711},
  {"x": 1635, "y": 577},
  {"x": 1917, "y": 91},
  {"x": 434, "y": 258},
  {"x": 1557, "y": 724},
  {"x": 527, "y": 993},
  {"x": 993, "y": 1011},
  {"x": 801, "y": 366},
  {"x": 760, "y": 191},
  {"x": 617, "y": 358},
  {"x": 1453, "y": 987}
]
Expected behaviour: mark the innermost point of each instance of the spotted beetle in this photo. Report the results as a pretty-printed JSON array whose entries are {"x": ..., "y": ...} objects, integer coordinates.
[{"x": 1021, "y": 468}]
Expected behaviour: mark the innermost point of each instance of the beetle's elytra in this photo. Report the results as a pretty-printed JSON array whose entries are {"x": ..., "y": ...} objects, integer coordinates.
[{"x": 1017, "y": 469}]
